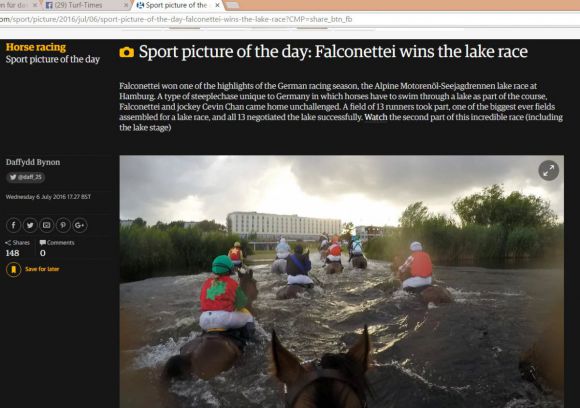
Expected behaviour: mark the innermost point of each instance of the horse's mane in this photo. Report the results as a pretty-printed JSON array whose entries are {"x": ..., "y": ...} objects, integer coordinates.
[
  {"x": 247, "y": 282},
  {"x": 325, "y": 395},
  {"x": 352, "y": 369}
]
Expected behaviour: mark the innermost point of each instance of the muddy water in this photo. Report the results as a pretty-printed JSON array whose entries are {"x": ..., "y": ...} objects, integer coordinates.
[{"x": 459, "y": 355}]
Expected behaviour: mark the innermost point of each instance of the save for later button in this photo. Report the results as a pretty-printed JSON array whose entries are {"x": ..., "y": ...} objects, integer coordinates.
[
  {"x": 41, "y": 268},
  {"x": 13, "y": 269}
]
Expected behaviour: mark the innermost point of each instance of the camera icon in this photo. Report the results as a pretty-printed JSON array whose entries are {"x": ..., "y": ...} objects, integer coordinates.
[{"x": 126, "y": 52}]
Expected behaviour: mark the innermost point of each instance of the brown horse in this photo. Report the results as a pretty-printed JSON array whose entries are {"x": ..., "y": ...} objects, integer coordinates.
[
  {"x": 323, "y": 254},
  {"x": 290, "y": 291},
  {"x": 359, "y": 262},
  {"x": 397, "y": 261},
  {"x": 249, "y": 286},
  {"x": 431, "y": 294},
  {"x": 211, "y": 353},
  {"x": 337, "y": 380},
  {"x": 333, "y": 267},
  {"x": 543, "y": 363},
  {"x": 436, "y": 294}
]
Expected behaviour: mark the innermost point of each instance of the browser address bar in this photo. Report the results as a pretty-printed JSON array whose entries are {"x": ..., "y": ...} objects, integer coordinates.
[{"x": 296, "y": 20}]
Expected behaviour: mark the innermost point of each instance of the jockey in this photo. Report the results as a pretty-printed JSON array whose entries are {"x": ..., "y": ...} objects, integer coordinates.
[
  {"x": 420, "y": 266},
  {"x": 355, "y": 248},
  {"x": 282, "y": 249},
  {"x": 222, "y": 300},
  {"x": 236, "y": 255},
  {"x": 297, "y": 267},
  {"x": 323, "y": 241},
  {"x": 334, "y": 251}
]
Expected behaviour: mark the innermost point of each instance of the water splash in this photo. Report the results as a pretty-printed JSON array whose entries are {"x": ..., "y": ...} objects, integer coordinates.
[
  {"x": 471, "y": 353},
  {"x": 153, "y": 356}
]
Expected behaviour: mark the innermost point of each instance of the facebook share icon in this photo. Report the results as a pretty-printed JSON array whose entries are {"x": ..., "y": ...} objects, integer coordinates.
[{"x": 13, "y": 225}]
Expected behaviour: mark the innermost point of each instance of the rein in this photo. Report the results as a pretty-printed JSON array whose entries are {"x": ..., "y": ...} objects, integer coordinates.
[{"x": 293, "y": 392}]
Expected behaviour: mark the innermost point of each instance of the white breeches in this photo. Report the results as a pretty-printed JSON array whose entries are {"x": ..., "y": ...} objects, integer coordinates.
[
  {"x": 416, "y": 281},
  {"x": 299, "y": 280},
  {"x": 221, "y": 319}
]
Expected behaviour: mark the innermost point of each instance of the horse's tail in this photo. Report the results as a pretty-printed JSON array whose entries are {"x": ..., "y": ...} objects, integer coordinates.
[{"x": 178, "y": 367}]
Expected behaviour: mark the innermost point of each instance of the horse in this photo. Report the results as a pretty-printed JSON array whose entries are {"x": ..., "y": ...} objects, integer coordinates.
[
  {"x": 436, "y": 294},
  {"x": 211, "y": 353},
  {"x": 396, "y": 263},
  {"x": 250, "y": 287},
  {"x": 359, "y": 261},
  {"x": 336, "y": 380},
  {"x": 543, "y": 363},
  {"x": 291, "y": 291},
  {"x": 333, "y": 267},
  {"x": 279, "y": 266},
  {"x": 323, "y": 254},
  {"x": 428, "y": 294}
]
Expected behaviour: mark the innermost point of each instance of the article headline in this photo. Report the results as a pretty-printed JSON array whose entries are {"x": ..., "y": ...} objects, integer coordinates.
[{"x": 327, "y": 51}]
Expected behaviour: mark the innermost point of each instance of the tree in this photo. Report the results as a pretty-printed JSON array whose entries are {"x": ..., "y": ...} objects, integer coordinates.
[
  {"x": 414, "y": 215},
  {"x": 493, "y": 207},
  {"x": 160, "y": 226},
  {"x": 211, "y": 226},
  {"x": 347, "y": 229},
  {"x": 139, "y": 222}
]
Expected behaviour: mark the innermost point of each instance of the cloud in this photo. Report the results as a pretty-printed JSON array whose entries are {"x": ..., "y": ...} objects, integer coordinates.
[
  {"x": 413, "y": 177},
  {"x": 192, "y": 187}
]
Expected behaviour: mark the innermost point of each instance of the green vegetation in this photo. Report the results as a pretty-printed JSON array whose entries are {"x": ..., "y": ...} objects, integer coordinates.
[
  {"x": 171, "y": 249},
  {"x": 347, "y": 231},
  {"x": 492, "y": 225}
]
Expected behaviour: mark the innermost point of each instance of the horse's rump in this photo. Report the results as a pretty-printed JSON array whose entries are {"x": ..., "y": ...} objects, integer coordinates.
[
  {"x": 279, "y": 266},
  {"x": 292, "y": 291},
  {"x": 211, "y": 354},
  {"x": 334, "y": 267},
  {"x": 359, "y": 261},
  {"x": 436, "y": 294}
]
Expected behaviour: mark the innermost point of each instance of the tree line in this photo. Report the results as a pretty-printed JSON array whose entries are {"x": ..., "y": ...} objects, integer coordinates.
[
  {"x": 172, "y": 249},
  {"x": 491, "y": 225}
]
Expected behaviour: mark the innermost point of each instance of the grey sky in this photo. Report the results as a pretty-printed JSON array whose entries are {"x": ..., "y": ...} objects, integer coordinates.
[{"x": 362, "y": 189}]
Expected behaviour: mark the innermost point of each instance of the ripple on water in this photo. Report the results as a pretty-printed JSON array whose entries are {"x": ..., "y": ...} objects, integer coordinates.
[{"x": 454, "y": 355}]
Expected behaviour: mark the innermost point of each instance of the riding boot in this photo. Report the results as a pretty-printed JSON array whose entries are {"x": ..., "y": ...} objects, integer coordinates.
[{"x": 248, "y": 331}]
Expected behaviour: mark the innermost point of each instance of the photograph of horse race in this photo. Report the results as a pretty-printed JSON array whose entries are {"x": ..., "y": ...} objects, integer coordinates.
[{"x": 404, "y": 281}]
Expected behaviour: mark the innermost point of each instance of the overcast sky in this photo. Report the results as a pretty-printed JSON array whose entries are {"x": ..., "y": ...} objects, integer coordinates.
[{"x": 362, "y": 189}]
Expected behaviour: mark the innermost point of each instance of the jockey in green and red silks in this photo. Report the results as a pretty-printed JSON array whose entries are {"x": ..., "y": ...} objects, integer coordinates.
[{"x": 222, "y": 300}]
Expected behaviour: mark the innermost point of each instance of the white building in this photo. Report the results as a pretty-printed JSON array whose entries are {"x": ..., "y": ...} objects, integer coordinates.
[{"x": 273, "y": 226}]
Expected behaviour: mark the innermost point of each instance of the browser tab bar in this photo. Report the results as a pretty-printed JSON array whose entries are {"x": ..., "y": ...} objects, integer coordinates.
[{"x": 411, "y": 5}]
